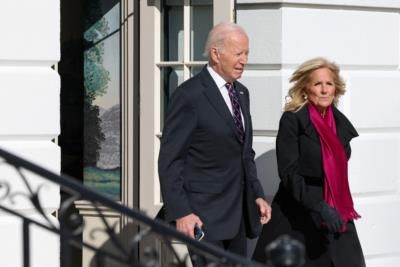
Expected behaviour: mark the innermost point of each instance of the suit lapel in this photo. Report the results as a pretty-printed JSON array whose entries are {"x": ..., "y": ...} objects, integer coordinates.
[
  {"x": 307, "y": 125},
  {"x": 217, "y": 101}
]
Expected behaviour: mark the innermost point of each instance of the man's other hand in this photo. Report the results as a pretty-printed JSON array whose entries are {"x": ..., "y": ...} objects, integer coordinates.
[
  {"x": 186, "y": 224},
  {"x": 264, "y": 210}
]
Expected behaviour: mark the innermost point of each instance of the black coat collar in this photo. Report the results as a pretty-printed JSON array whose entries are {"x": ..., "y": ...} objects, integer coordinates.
[{"x": 344, "y": 129}]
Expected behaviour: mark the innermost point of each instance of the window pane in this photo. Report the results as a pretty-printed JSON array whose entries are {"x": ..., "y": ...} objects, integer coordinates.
[
  {"x": 195, "y": 70},
  {"x": 171, "y": 77},
  {"x": 102, "y": 160},
  {"x": 202, "y": 21},
  {"x": 172, "y": 30}
]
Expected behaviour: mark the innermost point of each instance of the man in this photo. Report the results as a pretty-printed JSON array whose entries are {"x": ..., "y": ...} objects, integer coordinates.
[{"x": 206, "y": 163}]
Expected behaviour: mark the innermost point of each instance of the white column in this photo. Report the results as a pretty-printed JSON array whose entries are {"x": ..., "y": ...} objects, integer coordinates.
[{"x": 29, "y": 116}]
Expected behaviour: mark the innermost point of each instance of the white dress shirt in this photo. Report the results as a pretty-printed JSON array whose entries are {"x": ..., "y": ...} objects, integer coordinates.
[{"x": 220, "y": 82}]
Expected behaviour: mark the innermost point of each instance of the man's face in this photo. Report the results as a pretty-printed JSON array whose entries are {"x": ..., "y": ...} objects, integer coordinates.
[{"x": 231, "y": 59}]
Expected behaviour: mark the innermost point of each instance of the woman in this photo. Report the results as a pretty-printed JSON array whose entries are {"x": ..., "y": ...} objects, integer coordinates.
[{"x": 313, "y": 203}]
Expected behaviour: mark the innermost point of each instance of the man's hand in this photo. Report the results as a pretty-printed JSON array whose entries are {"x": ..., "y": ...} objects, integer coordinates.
[
  {"x": 264, "y": 210},
  {"x": 186, "y": 224}
]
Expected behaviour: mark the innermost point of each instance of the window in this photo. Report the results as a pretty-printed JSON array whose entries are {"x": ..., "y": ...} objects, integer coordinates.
[
  {"x": 172, "y": 39},
  {"x": 184, "y": 28}
]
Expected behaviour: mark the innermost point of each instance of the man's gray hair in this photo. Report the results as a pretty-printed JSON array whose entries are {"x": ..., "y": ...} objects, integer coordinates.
[{"x": 218, "y": 34}]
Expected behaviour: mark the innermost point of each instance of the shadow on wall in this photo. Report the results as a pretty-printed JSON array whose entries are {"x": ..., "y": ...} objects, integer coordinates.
[
  {"x": 267, "y": 170},
  {"x": 119, "y": 244},
  {"x": 133, "y": 248}
]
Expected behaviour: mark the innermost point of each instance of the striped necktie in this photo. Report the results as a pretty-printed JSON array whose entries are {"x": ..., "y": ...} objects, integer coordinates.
[{"x": 237, "y": 116}]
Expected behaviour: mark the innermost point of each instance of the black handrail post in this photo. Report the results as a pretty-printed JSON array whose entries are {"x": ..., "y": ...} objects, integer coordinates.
[
  {"x": 26, "y": 243},
  {"x": 285, "y": 252},
  {"x": 65, "y": 249},
  {"x": 99, "y": 260}
]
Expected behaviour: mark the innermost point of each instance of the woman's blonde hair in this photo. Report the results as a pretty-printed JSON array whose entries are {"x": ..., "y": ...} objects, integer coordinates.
[{"x": 301, "y": 77}]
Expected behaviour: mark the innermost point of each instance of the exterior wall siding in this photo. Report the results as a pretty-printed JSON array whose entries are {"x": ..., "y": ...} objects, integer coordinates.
[
  {"x": 29, "y": 115},
  {"x": 363, "y": 38}
]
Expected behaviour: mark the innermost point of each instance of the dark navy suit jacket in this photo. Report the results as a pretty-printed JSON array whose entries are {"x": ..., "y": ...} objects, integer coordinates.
[{"x": 203, "y": 167}]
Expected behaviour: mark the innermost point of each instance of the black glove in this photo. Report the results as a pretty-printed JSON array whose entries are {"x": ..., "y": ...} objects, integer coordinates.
[{"x": 330, "y": 217}]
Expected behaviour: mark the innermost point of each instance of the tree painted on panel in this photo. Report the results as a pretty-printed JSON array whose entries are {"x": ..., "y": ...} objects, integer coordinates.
[{"x": 96, "y": 79}]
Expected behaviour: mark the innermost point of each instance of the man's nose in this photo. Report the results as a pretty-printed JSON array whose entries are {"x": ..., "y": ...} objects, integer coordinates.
[{"x": 244, "y": 58}]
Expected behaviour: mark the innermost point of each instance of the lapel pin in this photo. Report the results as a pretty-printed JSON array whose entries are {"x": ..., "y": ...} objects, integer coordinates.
[{"x": 241, "y": 92}]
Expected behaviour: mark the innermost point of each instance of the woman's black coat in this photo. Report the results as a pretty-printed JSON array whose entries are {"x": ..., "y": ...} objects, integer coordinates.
[{"x": 299, "y": 159}]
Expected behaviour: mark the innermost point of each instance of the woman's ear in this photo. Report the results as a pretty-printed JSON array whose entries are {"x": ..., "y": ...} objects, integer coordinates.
[{"x": 305, "y": 93}]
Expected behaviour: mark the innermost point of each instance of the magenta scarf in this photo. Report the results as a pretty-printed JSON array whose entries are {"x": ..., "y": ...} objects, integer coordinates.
[{"x": 334, "y": 162}]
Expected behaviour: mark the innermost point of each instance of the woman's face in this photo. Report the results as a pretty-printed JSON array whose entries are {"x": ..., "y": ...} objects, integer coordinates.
[{"x": 320, "y": 90}]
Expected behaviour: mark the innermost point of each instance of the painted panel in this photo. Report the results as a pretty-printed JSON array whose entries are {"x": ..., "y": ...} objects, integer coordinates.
[
  {"x": 337, "y": 3},
  {"x": 383, "y": 260},
  {"x": 11, "y": 251},
  {"x": 265, "y": 98},
  {"x": 102, "y": 111},
  {"x": 374, "y": 98},
  {"x": 30, "y": 31},
  {"x": 375, "y": 228},
  {"x": 44, "y": 255},
  {"x": 373, "y": 166},
  {"x": 29, "y": 100},
  {"x": 263, "y": 25},
  {"x": 45, "y": 249},
  {"x": 43, "y": 153},
  {"x": 350, "y": 37}
]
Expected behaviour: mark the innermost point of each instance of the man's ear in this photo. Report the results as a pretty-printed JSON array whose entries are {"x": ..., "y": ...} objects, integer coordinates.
[{"x": 214, "y": 54}]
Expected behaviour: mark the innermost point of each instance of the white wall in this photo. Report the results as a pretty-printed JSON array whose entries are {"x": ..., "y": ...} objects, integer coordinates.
[
  {"x": 363, "y": 38},
  {"x": 29, "y": 116}
]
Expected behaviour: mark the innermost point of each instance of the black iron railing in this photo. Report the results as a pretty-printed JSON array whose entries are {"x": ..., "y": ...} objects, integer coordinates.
[{"x": 148, "y": 243}]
